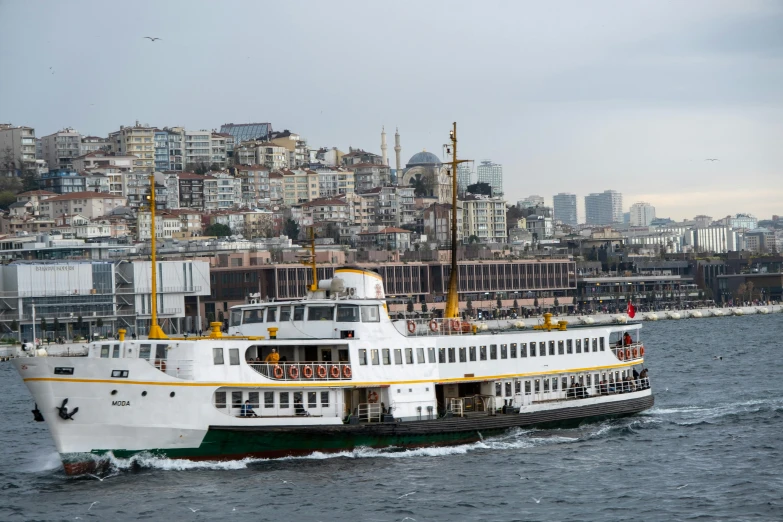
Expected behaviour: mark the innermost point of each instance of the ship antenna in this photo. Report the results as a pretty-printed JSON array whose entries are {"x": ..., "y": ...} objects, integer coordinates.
[
  {"x": 452, "y": 301},
  {"x": 155, "y": 330}
]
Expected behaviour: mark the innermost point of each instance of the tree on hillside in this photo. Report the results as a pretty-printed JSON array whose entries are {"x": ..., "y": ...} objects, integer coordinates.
[
  {"x": 30, "y": 180},
  {"x": 6, "y": 199},
  {"x": 197, "y": 168},
  {"x": 423, "y": 186},
  {"x": 217, "y": 229},
  {"x": 291, "y": 228}
]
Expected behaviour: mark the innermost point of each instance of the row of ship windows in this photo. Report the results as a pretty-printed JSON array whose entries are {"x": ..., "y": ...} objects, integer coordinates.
[
  {"x": 283, "y": 399},
  {"x": 465, "y": 354},
  {"x": 546, "y": 384}
]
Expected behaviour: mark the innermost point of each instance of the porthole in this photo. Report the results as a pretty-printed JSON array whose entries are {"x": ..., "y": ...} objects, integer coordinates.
[
  {"x": 144, "y": 394},
  {"x": 114, "y": 392},
  {"x": 171, "y": 394}
]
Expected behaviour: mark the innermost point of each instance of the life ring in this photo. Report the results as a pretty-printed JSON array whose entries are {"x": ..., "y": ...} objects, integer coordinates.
[
  {"x": 293, "y": 372},
  {"x": 621, "y": 354},
  {"x": 411, "y": 326},
  {"x": 162, "y": 365},
  {"x": 636, "y": 353},
  {"x": 641, "y": 351},
  {"x": 372, "y": 397},
  {"x": 307, "y": 372},
  {"x": 627, "y": 353},
  {"x": 347, "y": 372},
  {"x": 455, "y": 326},
  {"x": 335, "y": 372},
  {"x": 434, "y": 325},
  {"x": 278, "y": 372},
  {"x": 321, "y": 371}
]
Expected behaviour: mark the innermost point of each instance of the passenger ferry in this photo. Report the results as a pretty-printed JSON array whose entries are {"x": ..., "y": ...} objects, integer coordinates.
[{"x": 330, "y": 372}]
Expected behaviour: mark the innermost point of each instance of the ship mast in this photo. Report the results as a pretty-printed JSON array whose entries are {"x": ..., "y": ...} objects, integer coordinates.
[
  {"x": 155, "y": 330},
  {"x": 452, "y": 301}
]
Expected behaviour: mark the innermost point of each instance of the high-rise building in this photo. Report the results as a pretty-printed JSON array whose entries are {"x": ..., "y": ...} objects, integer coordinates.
[
  {"x": 531, "y": 202},
  {"x": 492, "y": 174},
  {"x": 565, "y": 208},
  {"x": 642, "y": 214},
  {"x": 604, "y": 208},
  {"x": 60, "y": 148},
  {"x": 464, "y": 178},
  {"x": 17, "y": 148}
]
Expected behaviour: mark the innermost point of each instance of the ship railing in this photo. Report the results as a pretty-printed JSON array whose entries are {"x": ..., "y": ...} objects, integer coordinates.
[
  {"x": 456, "y": 406},
  {"x": 436, "y": 326},
  {"x": 304, "y": 371},
  {"x": 461, "y": 406},
  {"x": 370, "y": 412},
  {"x": 630, "y": 352},
  {"x": 179, "y": 368}
]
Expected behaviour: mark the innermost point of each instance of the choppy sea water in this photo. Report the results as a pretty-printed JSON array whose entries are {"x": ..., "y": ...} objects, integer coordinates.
[{"x": 710, "y": 449}]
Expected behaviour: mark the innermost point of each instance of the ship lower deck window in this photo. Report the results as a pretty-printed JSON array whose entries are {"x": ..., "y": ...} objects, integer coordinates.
[
  {"x": 348, "y": 314},
  {"x": 431, "y": 355},
  {"x": 398, "y": 356},
  {"x": 285, "y": 400},
  {"x": 586, "y": 345},
  {"x": 312, "y": 400},
  {"x": 253, "y": 398},
  {"x": 374, "y": 356},
  {"x": 498, "y": 390},
  {"x": 508, "y": 389},
  {"x": 370, "y": 314},
  {"x": 517, "y": 386},
  {"x": 452, "y": 355},
  {"x": 523, "y": 349},
  {"x": 513, "y": 350},
  {"x": 442, "y": 355},
  {"x": 220, "y": 399},
  {"x": 482, "y": 353},
  {"x": 493, "y": 351},
  {"x": 255, "y": 315},
  {"x": 578, "y": 346},
  {"x": 269, "y": 399},
  {"x": 587, "y": 380},
  {"x": 532, "y": 349},
  {"x": 324, "y": 399},
  {"x": 527, "y": 387},
  {"x": 408, "y": 355},
  {"x": 144, "y": 351},
  {"x": 420, "y": 355},
  {"x": 570, "y": 346},
  {"x": 320, "y": 313},
  {"x": 472, "y": 353},
  {"x": 560, "y": 348},
  {"x": 105, "y": 351},
  {"x": 362, "y": 356},
  {"x": 546, "y": 385},
  {"x": 551, "y": 347},
  {"x": 285, "y": 313},
  {"x": 217, "y": 355},
  {"x": 603, "y": 340},
  {"x": 386, "y": 356},
  {"x": 538, "y": 385},
  {"x": 116, "y": 354},
  {"x": 233, "y": 356},
  {"x": 554, "y": 383},
  {"x": 299, "y": 312},
  {"x": 236, "y": 399},
  {"x": 565, "y": 382},
  {"x": 542, "y": 349},
  {"x": 504, "y": 351},
  {"x": 463, "y": 355},
  {"x": 595, "y": 345},
  {"x": 235, "y": 319}
]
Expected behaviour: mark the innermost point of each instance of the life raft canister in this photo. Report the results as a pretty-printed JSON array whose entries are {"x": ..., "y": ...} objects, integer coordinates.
[
  {"x": 278, "y": 372},
  {"x": 335, "y": 372},
  {"x": 321, "y": 372},
  {"x": 347, "y": 372},
  {"x": 372, "y": 397},
  {"x": 307, "y": 372},
  {"x": 293, "y": 372},
  {"x": 411, "y": 326}
]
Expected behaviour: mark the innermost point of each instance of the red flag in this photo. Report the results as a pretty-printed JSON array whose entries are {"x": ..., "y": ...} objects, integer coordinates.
[{"x": 631, "y": 310}]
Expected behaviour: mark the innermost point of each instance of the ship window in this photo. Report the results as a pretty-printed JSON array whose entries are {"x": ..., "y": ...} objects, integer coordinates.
[
  {"x": 523, "y": 349},
  {"x": 463, "y": 355},
  {"x": 285, "y": 313},
  {"x": 116, "y": 354},
  {"x": 504, "y": 351},
  {"x": 551, "y": 347},
  {"x": 570, "y": 345},
  {"x": 431, "y": 355},
  {"x": 324, "y": 399},
  {"x": 235, "y": 319},
  {"x": 284, "y": 400},
  {"x": 581, "y": 380},
  {"x": 508, "y": 389},
  {"x": 578, "y": 346},
  {"x": 370, "y": 314},
  {"x": 527, "y": 387},
  {"x": 517, "y": 386},
  {"x": 374, "y": 355},
  {"x": 299, "y": 313},
  {"x": 253, "y": 398},
  {"x": 233, "y": 356},
  {"x": 236, "y": 399},
  {"x": 386, "y": 356},
  {"x": 347, "y": 314},
  {"x": 408, "y": 355},
  {"x": 602, "y": 343},
  {"x": 611, "y": 377},
  {"x": 144, "y": 351},
  {"x": 220, "y": 399},
  {"x": 588, "y": 378},
  {"x": 398, "y": 356},
  {"x": 493, "y": 351},
  {"x": 595, "y": 344},
  {"x": 554, "y": 383},
  {"x": 441, "y": 355},
  {"x": 452, "y": 355},
  {"x": 362, "y": 356},
  {"x": 595, "y": 380},
  {"x": 565, "y": 383},
  {"x": 271, "y": 314},
  {"x": 217, "y": 355},
  {"x": 513, "y": 350},
  {"x": 312, "y": 400},
  {"x": 546, "y": 385},
  {"x": 472, "y": 353},
  {"x": 532, "y": 349},
  {"x": 269, "y": 399},
  {"x": 320, "y": 313},
  {"x": 105, "y": 351},
  {"x": 498, "y": 390},
  {"x": 560, "y": 347},
  {"x": 587, "y": 345},
  {"x": 254, "y": 315},
  {"x": 298, "y": 397},
  {"x": 420, "y": 355},
  {"x": 542, "y": 349},
  {"x": 482, "y": 353},
  {"x": 538, "y": 385}
]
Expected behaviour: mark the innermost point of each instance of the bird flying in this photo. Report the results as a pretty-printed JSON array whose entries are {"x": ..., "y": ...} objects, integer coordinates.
[
  {"x": 151, "y": 38},
  {"x": 712, "y": 159}
]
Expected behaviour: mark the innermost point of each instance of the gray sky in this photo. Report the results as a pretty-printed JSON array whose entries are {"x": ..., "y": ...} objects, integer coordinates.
[{"x": 568, "y": 96}]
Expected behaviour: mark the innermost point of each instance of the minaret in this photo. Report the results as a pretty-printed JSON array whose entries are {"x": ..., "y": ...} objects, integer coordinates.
[
  {"x": 383, "y": 146},
  {"x": 397, "y": 150}
]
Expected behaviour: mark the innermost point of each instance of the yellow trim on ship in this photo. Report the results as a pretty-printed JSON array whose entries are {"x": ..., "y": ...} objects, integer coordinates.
[{"x": 338, "y": 384}]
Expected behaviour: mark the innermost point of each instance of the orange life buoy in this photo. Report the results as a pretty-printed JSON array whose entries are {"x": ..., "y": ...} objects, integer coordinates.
[
  {"x": 293, "y": 372},
  {"x": 641, "y": 351},
  {"x": 321, "y": 371},
  {"x": 335, "y": 372},
  {"x": 372, "y": 397},
  {"x": 307, "y": 372},
  {"x": 278, "y": 372},
  {"x": 636, "y": 353},
  {"x": 627, "y": 353},
  {"x": 621, "y": 354},
  {"x": 411, "y": 326},
  {"x": 454, "y": 324},
  {"x": 347, "y": 372},
  {"x": 434, "y": 325}
]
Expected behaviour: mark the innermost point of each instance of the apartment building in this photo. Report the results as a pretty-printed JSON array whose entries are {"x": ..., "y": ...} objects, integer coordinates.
[
  {"x": 100, "y": 159},
  {"x": 254, "y": 185},
  {"x": 300, "y": 186},
  {"x": 137, "y": 140},
  {"x": 89, "y": 204},
  {"x": 335, "y": 181},
  {"x": 295, "y": 146},
  {"x": 221, "y": 191},
  {"x": 565, "y": 208},
  {"x": 191, "y": 190},
  {"x": 19, "y": 144},
  {"x": 270, "y": 155},
  {"x": 484, "y": 218},
  {"x": 367, "y": 176}
]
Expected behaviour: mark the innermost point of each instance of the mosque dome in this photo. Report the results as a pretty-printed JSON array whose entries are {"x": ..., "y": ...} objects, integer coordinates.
[{"x": 423, "y": 158}]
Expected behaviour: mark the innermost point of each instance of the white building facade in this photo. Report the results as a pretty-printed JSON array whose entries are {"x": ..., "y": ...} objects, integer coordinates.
[{"x": 642, "y": 214}]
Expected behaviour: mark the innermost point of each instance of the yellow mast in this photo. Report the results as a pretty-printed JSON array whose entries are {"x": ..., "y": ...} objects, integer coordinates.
[
  {"x": 314, "y": 286},
  {"x": 452, "y": 301},
  {"x": 155, "y": 330}
]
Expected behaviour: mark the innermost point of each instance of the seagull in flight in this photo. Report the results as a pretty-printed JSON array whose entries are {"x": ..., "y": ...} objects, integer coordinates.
[
  {"x": 712, "y": 159},
  {"x": 152, "y": 39},
  {"x": 193, "y": 510},
  {"x": 537, "y": 500},
  {"x": 91, "y": 505},
  {"x": 407, "y": 494},
  {"x": 682, "y": 486}
]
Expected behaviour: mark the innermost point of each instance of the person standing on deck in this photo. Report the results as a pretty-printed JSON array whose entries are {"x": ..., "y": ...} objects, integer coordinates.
[{"x": 272, "y": 357}]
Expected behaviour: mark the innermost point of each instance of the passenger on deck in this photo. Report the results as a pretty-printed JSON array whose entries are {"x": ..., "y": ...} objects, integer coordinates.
[
  {"x": 627, "y": 339},
  {"x": 299, "y": 410},
  {"x": 645, "y": 382},
  {"x": 247, "y": 411},
  {"x": 636, "y": 378},
  {"x": 272, "y": 357}
]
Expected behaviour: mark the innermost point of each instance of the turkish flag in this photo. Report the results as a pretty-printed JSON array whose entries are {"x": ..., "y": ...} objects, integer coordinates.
[{"x": 631, "y": 310}]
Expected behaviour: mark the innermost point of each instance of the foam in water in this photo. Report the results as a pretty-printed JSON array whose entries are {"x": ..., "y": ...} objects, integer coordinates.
[{"x": 44, "y": 462}]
